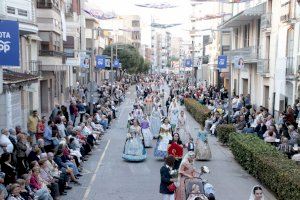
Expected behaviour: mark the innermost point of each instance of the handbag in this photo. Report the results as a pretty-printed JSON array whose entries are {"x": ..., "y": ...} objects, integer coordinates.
[{"x": 171, "y": 187}]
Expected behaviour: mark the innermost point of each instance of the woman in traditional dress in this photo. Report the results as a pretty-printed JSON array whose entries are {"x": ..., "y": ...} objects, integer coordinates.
[
  {"x": 148, "y": 105},
  {"x": 187, "y": 170},
  {"x": 155, "y": 122},
  {"x": 257, "y": 193},
  {"x": 202, "y": 148},
  {"x": 134, "y": 149},
  {"x": 181, "y": 127},
  {"x": 147, "y": 135},
  {"x": 175, "y": 148},
  {"x": 163, "y": 140},
  {"x": 138, "y": 114},
  {"x": 173, "y": 114}
]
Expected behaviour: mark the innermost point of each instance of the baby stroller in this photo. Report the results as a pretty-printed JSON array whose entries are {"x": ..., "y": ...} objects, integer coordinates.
[{"x": 194, "y": 189}]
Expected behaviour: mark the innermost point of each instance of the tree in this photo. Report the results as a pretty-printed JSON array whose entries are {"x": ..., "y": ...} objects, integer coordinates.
[{"x": 130, "y": 58}]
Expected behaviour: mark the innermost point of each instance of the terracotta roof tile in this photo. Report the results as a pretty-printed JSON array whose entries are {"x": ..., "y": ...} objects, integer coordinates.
[{"x": 11, "y": 77}]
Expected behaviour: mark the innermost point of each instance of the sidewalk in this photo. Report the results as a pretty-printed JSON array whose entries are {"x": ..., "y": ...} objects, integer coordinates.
[{"x": 231, "y": 181}]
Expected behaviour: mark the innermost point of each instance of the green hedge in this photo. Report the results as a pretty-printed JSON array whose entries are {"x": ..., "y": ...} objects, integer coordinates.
[
  {"x": 267, "y": 164},
  {"x": 223, "y": 132},
  {"x": 197, "y": 110}
]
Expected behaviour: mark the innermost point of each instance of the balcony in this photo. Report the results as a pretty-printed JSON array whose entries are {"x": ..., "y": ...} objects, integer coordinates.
[
  {"x": 266, "y": 20},
  {"x": 249, "y": 54},
  {"x": 34, "y": 67},
  {"x": 51, "y": 53},
  {"x": 47, "y": 5},
  {"x": 263, "y": 66}
]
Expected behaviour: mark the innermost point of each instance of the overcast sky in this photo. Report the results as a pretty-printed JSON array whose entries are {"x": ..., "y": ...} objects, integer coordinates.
[{"x": 179, "y": 14}]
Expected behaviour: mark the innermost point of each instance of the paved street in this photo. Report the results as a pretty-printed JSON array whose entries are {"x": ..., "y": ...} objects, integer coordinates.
[{"x": 108, "y": 177}]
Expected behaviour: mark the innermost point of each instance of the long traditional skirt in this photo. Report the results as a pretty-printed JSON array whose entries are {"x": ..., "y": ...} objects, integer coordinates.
[
  {"x": 147, "y": 137},
  {"x": 202, "y": 150}
]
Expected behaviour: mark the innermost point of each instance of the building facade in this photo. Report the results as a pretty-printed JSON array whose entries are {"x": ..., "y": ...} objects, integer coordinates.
[{"x": 20, "y": 83}]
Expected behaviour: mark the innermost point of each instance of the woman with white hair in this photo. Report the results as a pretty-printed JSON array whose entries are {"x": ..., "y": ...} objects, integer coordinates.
[{"x": 187, "y": 170}]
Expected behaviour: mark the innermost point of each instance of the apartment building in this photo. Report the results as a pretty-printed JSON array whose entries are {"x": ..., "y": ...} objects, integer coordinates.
[
  {"x": 75, "y": 42},
  {"x": 285, "y": 57},
  {"x": 249, "y": 29},
  {"x": 161, "y": 49},
  {"x": 20, "y": 83}
]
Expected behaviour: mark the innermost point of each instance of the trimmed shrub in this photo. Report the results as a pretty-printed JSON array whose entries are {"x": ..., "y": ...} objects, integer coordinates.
[
  {"x": 266, "y": 163},
  {"x": 197, "y": 110},
  {"x": 223, "y": 132}
]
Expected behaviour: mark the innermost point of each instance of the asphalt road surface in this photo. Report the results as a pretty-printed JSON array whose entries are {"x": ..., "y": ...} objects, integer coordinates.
[{"x": 108, "y": 177}]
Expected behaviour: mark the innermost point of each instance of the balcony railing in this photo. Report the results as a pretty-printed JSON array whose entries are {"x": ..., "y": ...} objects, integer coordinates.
[
  {"x": 34, "y": 67},
  {"x": 47, "y": 5},
  {"x": 263, "y": 66},
  {"x": 51, "y": 53},
  {"x": 266, "y": 20},
  {"x": 249, "y": 54}
]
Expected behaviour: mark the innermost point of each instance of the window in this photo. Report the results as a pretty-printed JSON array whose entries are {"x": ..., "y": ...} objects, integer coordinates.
[
  {"x": 135, "y": 23},
  {"x": 246, "y": 35},
  {"x": 22, "y": 12},
  {"x": 11, "y": 10}
]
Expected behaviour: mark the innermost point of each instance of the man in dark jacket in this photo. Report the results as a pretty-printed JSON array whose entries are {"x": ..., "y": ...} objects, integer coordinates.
[{"x": 166, "y": 179}]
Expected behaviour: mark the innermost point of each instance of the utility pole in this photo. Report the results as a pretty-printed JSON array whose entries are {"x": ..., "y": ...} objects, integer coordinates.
[
  {"x": 111, "y": 67},
  {"x": 91, "y": 72},
  {"x": 193, "y": 62}
]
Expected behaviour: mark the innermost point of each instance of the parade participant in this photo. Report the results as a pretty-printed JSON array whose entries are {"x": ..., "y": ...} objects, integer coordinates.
[
  {"x": 166, "y": 179},
  {"x": 202, "y": 149},
  {"x": 147, "y": 135},
  {"x": 256, "y": 193},
  {"x": 148, "y": 105},
  {"x": 155, "y": 122},
  {"x": 134, "y": 148},
  {"x": 173, "y": 114},
  {"x": 175, "y": 148},
  {"x": 187, "y": 170},
  {"x": 163, "y": 140},
  {"x": 138, "y": 114},
  {"x": 181, "y": 127}
]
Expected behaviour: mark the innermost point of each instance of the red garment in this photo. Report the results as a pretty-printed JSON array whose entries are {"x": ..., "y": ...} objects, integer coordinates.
[
  {"x": 35, "y": 183},
  {"x": 175, "y": 150},
  {"x": 41, "y": 130}
]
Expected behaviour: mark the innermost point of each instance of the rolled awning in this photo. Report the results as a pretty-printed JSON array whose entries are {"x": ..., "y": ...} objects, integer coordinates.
[{"x": 245, "y": 16}]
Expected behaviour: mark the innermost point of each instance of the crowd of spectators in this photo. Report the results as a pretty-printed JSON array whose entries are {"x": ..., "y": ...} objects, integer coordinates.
[
  {"x": 247, "y": 118},
  {"x": 46, "y": 160}
]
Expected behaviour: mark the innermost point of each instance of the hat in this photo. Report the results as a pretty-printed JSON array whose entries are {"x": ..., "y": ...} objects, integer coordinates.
[{"x": 2, "y": 175}]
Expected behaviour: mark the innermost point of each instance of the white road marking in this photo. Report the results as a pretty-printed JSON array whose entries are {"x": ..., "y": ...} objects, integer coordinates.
[{"x": 87, "y": 192}]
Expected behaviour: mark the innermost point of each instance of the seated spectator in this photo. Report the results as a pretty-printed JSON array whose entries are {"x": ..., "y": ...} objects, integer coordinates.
[
  {"x": 40, "y": 189},
  {"x": 241, "y": 124},
  {"x": 21, "y": 149},
  {"x": 3, "y": 190},
  {"x": 260, "y": 129},
  {"x": 269, "y": 136},
  {"x": 15, "y": 192},
  {"x": 248, "y": 129},
  {"x": 25, "y": 194},
  {"x": 285, "y": 147},
  {"x": 5, "y": 142},
  {"x": 48, "y": 180},
  {"x": 294, "y": 135},
  {"x": 34, "y": 154},
  {"x": 8, "y": 169}
]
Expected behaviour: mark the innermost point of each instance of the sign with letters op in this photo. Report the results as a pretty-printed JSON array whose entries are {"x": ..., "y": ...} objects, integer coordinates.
[{"x": 9, "y": 43}]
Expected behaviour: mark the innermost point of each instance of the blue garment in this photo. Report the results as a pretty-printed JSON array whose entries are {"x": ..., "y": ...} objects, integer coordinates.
[
  {"x": 48, "y": 136},
  {"x": 202, "y": 136}
]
